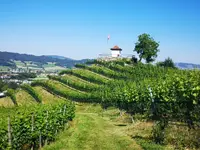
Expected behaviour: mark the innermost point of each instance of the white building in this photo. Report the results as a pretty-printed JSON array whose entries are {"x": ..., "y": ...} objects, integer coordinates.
[
  {"x": 116, "y": 51},
  {"x": 2, "y": 95},
  {"x": 115, "y": 54}
]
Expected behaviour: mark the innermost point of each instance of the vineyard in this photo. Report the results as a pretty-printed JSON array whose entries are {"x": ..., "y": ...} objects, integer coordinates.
[{"x": 148, "y": 93}]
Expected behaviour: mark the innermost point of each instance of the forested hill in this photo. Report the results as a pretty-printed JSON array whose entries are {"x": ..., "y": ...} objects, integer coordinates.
[{"x": 6, "y": 59}]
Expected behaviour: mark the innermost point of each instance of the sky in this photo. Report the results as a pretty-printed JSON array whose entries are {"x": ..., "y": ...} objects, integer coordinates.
[{"x": 79, "y": 28}]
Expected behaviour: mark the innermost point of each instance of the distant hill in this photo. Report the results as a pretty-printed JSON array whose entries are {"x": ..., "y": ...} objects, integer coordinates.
[
  {"x": 58, "y": 57},
  {"x": 9, "y": 58},
  {"x": 183, "y": 65}
]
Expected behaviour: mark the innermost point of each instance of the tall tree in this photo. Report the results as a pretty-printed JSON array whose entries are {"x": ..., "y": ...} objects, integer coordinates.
[{"x": 146, "y": 48}]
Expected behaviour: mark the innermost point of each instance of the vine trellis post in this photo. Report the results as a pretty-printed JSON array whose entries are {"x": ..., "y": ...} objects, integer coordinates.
[
  {"x": 9, "y": 133},
  {"x": 32, "y": 127}
]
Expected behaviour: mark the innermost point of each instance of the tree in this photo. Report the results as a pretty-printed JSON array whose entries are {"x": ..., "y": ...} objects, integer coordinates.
[
  {"x": 2, "y": 84},
  {"x": 146, "y": 47},
  {"x": 167, "y": 63},
  {"x": 134, "y": 59},
  {"x": 24, "y": 76},
  {"x": 12, "y": 85}
]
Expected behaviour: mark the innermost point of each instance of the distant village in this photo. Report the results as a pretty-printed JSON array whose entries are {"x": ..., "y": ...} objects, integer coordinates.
[
  {"x": 13, "y": 75},
  {"x": 20, "y": 76},
  {"x": 25, "y": 75}
]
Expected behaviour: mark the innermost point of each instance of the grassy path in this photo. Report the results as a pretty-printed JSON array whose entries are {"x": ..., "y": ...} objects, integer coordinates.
[{"x": 91, "y": 131}]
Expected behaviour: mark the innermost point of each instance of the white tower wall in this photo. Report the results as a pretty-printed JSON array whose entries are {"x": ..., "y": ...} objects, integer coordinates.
[{"x": 115, "y": 53}]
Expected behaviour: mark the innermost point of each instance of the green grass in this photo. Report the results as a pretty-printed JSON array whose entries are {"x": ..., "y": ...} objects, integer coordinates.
[
  {"x": 49, "y": 65},
  {"x": 40, "y": 78},
  {"x": 31, "y": 64},
  {"x": 89, "y": 131},
  {"x": 76, "y": 79},
  {"x": 23, "y": 98},
  {"x": 19, "y": 64},
  {"x": 4, "y": 68},
  {"x": 148, "y": 145},
  {"x": 6, "y": 102},
  {"x": 48, "y": 97},
  {"x": 54, "y": 68},
  {"x": 94, "y": 128},
  {"x": 34, "y": 68}
]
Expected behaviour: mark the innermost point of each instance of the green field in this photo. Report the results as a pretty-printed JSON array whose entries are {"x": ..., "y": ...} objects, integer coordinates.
[
  {"x": 50, "y": 67},
  {"x": 54, "y": 68},
  {"x": 50, "y": 64},
  {"x": 19, "y": 64},
  {"x": 4, "y": 68}
]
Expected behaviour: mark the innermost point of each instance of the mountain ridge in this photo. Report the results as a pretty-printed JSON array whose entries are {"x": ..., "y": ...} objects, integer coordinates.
[
  {"x": 58, "y": 57},
  {"x": 6, "y": 59}
]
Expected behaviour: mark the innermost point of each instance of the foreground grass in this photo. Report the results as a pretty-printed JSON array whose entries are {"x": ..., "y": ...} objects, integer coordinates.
[
  {"x": 89, "y": 130},
  {"x": 95, "y": 129}
]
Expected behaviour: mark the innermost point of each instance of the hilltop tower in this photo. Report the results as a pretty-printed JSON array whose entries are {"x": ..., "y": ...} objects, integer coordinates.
[{"x": 116, "y": 51}]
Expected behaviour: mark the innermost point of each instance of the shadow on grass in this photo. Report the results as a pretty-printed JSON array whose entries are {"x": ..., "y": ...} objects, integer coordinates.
[
  {"x": 120, "y": 125},
  {"x": 147, "y": 143}
]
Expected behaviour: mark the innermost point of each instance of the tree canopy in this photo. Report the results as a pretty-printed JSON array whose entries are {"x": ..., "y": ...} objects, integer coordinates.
[
  {"x": 167, "y": 63},
  {"x": 146, "y": 48}
]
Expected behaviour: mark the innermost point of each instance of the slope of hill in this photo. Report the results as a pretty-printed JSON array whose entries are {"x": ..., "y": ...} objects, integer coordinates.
[
  {"x": 126, "y": 95},
  {"x": 8, "y": 58}
]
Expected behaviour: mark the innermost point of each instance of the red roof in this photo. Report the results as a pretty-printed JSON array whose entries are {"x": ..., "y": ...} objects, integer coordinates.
[{"x": 116, "y": 48}]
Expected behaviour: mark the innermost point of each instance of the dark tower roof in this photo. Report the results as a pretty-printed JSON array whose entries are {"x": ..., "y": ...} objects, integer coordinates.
[{"x": 116, "y": 48}]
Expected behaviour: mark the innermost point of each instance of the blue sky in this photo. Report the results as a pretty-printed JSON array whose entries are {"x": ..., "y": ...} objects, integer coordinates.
[{"x": 79, "y": 28}]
